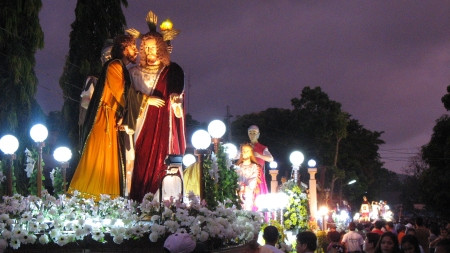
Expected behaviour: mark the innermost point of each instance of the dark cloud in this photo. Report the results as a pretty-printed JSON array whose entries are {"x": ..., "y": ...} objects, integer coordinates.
[{"x": 386, "y": 62}]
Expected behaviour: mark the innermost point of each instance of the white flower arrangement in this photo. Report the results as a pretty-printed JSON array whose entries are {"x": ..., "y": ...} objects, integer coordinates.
[
  {"x": 29, "y": 163},
  {"x": 33, "y": 220}
]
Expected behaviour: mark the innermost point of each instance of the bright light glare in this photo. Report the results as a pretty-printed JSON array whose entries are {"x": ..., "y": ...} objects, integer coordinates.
[
  {"x": 231, "y": 150},
  {"x": 62, "y": 154},
  {"x": 216, "y": 128},
  {"x": 312, "y": 163},
  {"x": 273, "y": 165},
  {"x": 9, "y": 144},
  {"x": 38, "y": 133},
  {"x": 296, "y": 158},
  {"x": 351, "y": 182},
  {"x": 323, "y": 211},
  {"x": 188, "y": 160},
  {"x": 201, "y": 139}
]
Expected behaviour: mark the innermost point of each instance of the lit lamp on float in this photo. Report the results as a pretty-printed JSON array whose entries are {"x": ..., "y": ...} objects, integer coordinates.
[
  {"x": 201, "y": 140},
  {"x": 168, "y": 33},
  {"x": 39, "y": 133},
  {"x": 273, "y": 173},
  {"x": 9, "y": 145},
  {"x": 272, "y": 203},
  {"x": 63, "y": 155},
  {"x": 231, "y": 150},
  {"x": 296, "y": 158},
  {"x": 188, "y": 160},
  {"x": 323, "y": 211},
  {"x": 216, "y": 129},
  {"x": 312, "y": 170}
]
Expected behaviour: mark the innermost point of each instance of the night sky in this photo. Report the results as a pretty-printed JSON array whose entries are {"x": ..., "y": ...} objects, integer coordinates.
[{"x": 386, "y": 62}]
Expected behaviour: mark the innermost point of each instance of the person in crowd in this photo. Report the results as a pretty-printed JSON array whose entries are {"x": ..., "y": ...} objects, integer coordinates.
[
  {"x": 411, "y": 231},
  {"x": 422, "y": 234},
  {"x": 378, "y": 227},
  {"x": 99, "y": 170},
  {"x": 155, "y": 113},
  {"x": 410, "y": 244},
  {"x": 443, "y": 234},
  {"x": 360, "y": 229},
  {"x": 262, "y": 155},
  {"x": 249, "y": 177},
  {"x": 443, "y": 246},
  {"x": 389, "y": 226},
  {"x": 387, "y": 243},
  {"x": 352, "y": 241},
  {"x": 306, "y": 242},
  {"x": 334, "y": 237},
  {"x": 434, "y": 234},
  {"x": 401, "y": 231},
  {"x": 270, "y": 236},
  {"x": 370, "y": 242}
]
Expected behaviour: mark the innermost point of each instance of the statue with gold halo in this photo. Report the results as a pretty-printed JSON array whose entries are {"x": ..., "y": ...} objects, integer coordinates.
[{"x": 155, "y": 112}]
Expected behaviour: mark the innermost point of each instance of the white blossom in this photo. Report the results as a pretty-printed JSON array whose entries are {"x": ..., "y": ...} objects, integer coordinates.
[{"x": 43, "y": 239}]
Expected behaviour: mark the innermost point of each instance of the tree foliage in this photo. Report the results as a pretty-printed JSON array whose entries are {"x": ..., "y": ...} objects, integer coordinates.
[
  {"x": 435, "y": 181},
  {"x": 220, "y": 179},
  {"x": 446, "y": 99},
  {"x": 323, "y": 122},
  {"x": 95, "y": 22},
  {"x": 20, "y": 36}
]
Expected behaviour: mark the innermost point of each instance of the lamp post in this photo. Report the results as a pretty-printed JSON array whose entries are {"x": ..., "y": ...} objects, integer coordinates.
[
  {"x": 201, "y": 140},
  {"x": 63, "y": 155},
  {"x": 312, "y": 170},
  {"x": 273, "y": 173},
  {"x": 296, "y": 158},
  {"x": 39, "y": 133},
  {"x": 216, "y": 129},
  {"x": 9, "y": 145},
  {"x": 323, "y": 211}
]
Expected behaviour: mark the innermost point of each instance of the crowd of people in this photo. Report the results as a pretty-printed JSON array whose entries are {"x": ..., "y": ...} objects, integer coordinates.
[{"x": 382, "y": 236}]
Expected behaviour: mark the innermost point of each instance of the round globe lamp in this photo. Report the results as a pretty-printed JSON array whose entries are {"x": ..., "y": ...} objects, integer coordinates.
[
  {"x": 63, "y": 155},
  {"x": 39, "y": 134},
  {"x": 9, "y": 145}
]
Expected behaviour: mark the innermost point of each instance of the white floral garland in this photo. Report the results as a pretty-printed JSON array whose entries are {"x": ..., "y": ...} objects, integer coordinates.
[
  {"x": 31, "y": 220},
  {"x": 29, "y": 163}
]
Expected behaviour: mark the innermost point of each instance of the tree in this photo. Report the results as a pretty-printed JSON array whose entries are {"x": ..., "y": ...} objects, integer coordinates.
[
  {"x": 323, "y": 121},
  {"x": 446, "y": 99},
  {"x": 411, "y": 194},
  {"x": 95, "y": 22},
  {"x": 435, "y": 181},
  {"x": 360, "y": 158},
  {"x": 20, "y": 36}
]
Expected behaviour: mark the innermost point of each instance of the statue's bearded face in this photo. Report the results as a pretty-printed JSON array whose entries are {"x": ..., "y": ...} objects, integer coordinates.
[
  {"x": 131, "y": 53},
  {"x": 151, "y": 52}
]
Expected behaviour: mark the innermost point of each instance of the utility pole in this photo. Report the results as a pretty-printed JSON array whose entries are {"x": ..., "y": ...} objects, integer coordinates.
[{"x": 228, "y": 120}]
